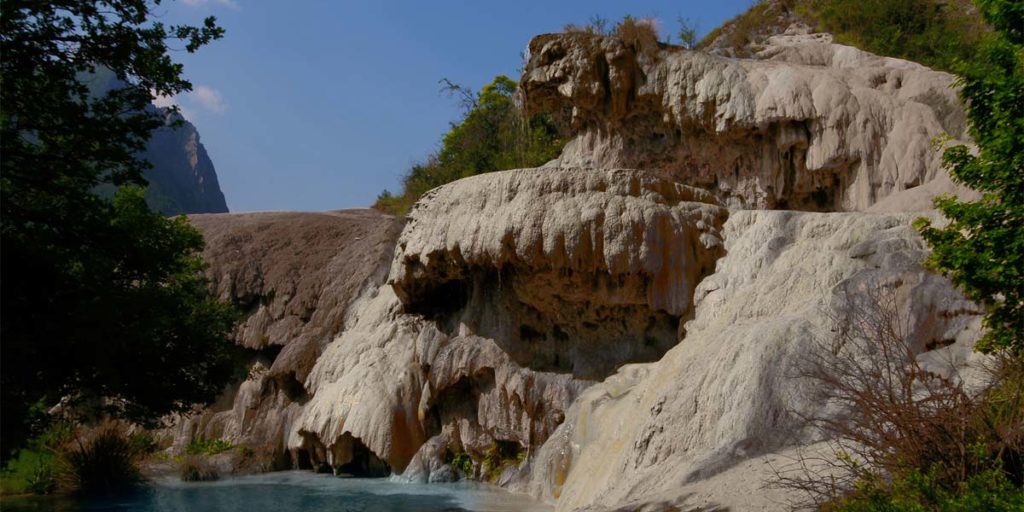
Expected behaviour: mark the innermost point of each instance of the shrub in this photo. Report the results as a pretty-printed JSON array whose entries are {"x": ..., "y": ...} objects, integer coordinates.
[
  {"x": 639, "y": 33},
  {"x": 687, "y": 32},
  {"x": 500, "y": 455},
  {"x": 462, "y": 462},
  {"x": 201, "y": 446},
  {"x": 101, "y": 462},
  {"x": 493, "y": 135},
  {"x": 987, "y": 491},
  {"x": 596, "y": 25},
  {"x": 895, "y": 426},
  {"x": 30, "y": 471},
  {"x": 196, "y": 469},
  {"x": 33, "y": 469},
  {"x": 934, "y": 33}
]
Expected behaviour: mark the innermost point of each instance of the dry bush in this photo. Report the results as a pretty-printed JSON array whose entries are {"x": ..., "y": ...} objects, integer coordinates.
[
  {"x": 100, "y": 461},
  {"x": 195, "y": 468},
  {"x": 640, "y": 34},
  {"x": 596, "y": 25},
  {"x": 886, "y": 415}
]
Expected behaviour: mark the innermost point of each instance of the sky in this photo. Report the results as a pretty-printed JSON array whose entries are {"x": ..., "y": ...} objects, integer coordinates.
[{"x": 315, "y": 105}]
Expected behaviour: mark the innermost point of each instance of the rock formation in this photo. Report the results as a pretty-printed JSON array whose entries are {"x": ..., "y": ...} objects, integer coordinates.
[
  {"x": 727, "y": 391},
  {"x": 182, "y": 179},
  {"x": 807, "y": 125},
  {"x": 294, "y": 275},
  {"x": 603, "y": 337}
]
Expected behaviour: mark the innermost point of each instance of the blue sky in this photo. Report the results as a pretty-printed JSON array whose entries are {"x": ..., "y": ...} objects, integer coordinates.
[{"x": 319, "y": 105}]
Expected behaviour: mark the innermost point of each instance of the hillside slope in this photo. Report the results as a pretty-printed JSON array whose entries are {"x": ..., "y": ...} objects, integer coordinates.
[{"x": 935, "y": 33}]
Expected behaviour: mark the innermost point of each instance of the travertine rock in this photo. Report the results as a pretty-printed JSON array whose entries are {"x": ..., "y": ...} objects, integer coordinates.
[
  {"x": 722, "y": 396},
  {"x": 392, "y": 381},
  {"x": 566, "y": 269},
  {"x": 508, "y": 292},
  {"x": 808, "y": 125},
  {"x": 295, "y": 274},
  {"x": 627, "y": 335}
]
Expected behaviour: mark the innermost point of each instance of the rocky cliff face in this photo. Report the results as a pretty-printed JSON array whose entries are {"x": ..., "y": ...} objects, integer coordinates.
[
  {"x": 295, "y": 277},
  {"x": 602, "y": 337},
  {"x": 807, "y": 125},
  {"x": 728, "y": 393},
  {"x": 182, "y": 179}
]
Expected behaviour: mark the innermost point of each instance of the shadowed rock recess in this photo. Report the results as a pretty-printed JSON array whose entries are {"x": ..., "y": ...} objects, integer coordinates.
[{"x": 617, "y": 329}]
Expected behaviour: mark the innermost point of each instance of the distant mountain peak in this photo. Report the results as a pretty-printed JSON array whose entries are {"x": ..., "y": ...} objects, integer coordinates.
[{"x": 183, "y": 178}]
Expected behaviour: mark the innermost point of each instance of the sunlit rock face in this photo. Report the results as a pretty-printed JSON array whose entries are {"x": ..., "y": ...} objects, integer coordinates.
[
  {"x": 619, "y": 327},
  {"x": 509, "y": 294},
  {"x": 807, "y": 125},
  {"x": 568, "y": 270},
  {"x": 726, "y": 393}
]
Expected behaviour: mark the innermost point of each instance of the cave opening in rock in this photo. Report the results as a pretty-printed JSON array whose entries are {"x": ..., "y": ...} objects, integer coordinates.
[
  {"x": 553, "y": 320},
  {"x": 364, "y": 463},
  {"x": 458, "y": 401},
  {"x": 440, "y": 300}
]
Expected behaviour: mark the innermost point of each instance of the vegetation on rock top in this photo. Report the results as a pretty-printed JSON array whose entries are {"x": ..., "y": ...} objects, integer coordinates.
[
  {"x": 936, "y": 33},
  {"x": 493, "y": 135}
]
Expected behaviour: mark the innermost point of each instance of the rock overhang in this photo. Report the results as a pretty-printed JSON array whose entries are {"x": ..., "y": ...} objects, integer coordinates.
[{"x": 545, "y": 258}]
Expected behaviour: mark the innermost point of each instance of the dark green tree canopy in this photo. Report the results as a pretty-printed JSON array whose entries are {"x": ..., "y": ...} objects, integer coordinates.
[
  {"x": 103, "y": 300},
  {"x": 982, "y": 248}
]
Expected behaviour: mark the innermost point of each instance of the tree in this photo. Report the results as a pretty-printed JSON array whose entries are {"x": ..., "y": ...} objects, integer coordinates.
[
  {"x": 687, "y": 32},
  {"x": 492, "y": 135},
  {"x": 982, "y": 248},
  {"x": 103, "y": 301}
]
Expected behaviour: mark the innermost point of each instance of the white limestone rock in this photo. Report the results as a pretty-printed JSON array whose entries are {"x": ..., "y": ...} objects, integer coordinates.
[
  {"x": 806, "y": 125},
  {"x": 721, "y": 397}
]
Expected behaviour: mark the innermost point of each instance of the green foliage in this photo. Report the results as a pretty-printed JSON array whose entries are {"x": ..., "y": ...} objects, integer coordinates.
[
  {"x": 492, "y": 136},
  {"x": 500, "y": 455},
  {"x": 462, "y": 462},
  {"x": 143, "y": 443},
  {"x": 987, "y": 491},
  {"x": 687, "y": 32},
  {"x": 935, "y": 33},
  {"x": 200, "y": 446},
  {"x": 102, "y": 299},
  {"x": 33, "y": 469},
  {"x": 982, "y": 248},
  {"x": 101, "y": 461}
]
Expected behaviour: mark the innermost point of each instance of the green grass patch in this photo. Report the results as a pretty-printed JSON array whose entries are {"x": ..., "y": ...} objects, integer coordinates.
[{"x": 200, "y": 446}]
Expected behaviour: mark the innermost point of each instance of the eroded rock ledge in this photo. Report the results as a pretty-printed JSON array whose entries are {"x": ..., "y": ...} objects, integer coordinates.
[
  {"x": 807, "y": 125},
  {"x": 295, "y": 276},
  {"x": 509, "y": 294},
  {"x": 568, "y": 270}
]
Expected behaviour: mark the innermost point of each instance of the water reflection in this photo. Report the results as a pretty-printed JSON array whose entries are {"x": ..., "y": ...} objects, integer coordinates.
[{"x": 294, "y": 491}]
